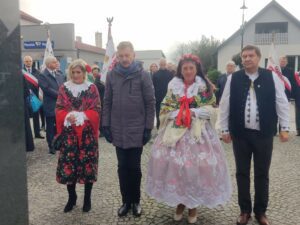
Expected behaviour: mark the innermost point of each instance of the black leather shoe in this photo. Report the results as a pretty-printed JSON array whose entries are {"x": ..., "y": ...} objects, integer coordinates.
[
  {"x": 124, "y": 209},
  {"x": 51, "y": 151},
  {"x": 136, "y": 209},
  {"x": 39, "y": 137},
  {"x": 70, "y": 204}
]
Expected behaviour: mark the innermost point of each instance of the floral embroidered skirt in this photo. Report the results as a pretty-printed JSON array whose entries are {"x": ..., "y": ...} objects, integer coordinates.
[
  {"x": 78, "y": 164},
  {"x": 191, "y": 173}
]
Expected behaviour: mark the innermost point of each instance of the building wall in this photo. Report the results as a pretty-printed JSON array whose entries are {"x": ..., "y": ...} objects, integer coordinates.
[
  {"x": 273, "y": 14},
  {"x": 26, "y": 22},
  {"x": 91, "y": 58},
  {"x": 148, "y": 57},
  {"x": 63, "y": 38}
]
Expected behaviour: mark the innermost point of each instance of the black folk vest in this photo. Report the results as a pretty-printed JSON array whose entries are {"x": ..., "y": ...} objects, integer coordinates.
[{"x": 266, "y": 102}]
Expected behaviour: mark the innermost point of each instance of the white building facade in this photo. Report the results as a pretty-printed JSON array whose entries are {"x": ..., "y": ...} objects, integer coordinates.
[{"x": 273, "y": 22}]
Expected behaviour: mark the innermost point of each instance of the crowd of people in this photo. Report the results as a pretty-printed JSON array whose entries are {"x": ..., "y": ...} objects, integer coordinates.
[{"x": 187, "y": 166}]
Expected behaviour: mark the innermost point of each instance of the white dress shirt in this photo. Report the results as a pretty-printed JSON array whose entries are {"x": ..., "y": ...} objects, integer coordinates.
[{"x": 251, "y": 110}]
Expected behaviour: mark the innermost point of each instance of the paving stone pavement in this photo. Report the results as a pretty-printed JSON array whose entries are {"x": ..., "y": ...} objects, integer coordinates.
[{"x": 47, "y": 198}]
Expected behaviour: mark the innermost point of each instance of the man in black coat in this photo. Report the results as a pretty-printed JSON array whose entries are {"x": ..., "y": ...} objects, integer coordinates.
[
  {"x": 287, "y": 72},
  {"x": 101, "y": 89},
  {"x": 161, "y": 80},
  {"x": 230, "y": 68},
  {"x": 50, "y": 81},
  {"x": 295, "y": 93},
  {"x": 28, "y": 62}
]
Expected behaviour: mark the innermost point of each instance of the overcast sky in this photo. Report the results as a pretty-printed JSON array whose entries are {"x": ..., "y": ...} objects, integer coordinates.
[{"x": 151, "y": 24}]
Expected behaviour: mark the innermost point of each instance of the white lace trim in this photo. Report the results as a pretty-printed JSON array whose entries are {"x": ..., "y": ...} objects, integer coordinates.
[
  {"x": 79, "y": 116},
  {"x": 76, "y": 89},
  {"x": 176, "y": 85}
]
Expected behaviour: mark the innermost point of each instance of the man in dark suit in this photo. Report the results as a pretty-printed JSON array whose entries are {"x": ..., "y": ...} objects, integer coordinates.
[
  {"x": 230, "y": 68},
  {"x": 27, "y": 60},
  {"x": 50, "y": 81},
  {"x": 161, "y": 80}
]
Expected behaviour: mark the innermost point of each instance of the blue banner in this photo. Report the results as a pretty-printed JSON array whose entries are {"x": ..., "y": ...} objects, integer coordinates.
[{"x": 36, "y": 44}]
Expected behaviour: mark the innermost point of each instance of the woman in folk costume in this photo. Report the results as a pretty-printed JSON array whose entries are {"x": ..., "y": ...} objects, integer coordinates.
[
  {"x": 77, "y": 119},
  {"x": 187, "y": 166}
]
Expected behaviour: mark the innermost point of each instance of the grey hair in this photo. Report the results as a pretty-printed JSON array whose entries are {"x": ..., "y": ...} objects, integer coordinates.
[
  {"x": 27, "y": 57},
  {"x": 230, "y": 62},
  {"x": 49, "y": 60}
]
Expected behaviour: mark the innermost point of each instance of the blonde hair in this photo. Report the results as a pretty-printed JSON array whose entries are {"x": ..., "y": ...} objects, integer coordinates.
[{"x": 77, "y": 63}]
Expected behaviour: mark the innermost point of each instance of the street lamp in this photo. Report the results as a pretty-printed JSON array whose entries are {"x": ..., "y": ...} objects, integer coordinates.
[{"x": 243, "y": 24}]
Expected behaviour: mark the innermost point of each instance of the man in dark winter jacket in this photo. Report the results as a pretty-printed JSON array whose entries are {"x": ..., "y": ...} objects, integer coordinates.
[
  {"x": 161, "y": 80},
  {"x": 128, "y": 117}
]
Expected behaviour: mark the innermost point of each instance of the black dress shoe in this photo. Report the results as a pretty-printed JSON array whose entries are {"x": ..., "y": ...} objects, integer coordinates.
[
  {"x": 136, "y": 209},
  {"x": 39, "y": 137},
  {"x": 123, "y": 210},
  {"x": 51, "y": 151},
  {"x": 70, "y": 204}
]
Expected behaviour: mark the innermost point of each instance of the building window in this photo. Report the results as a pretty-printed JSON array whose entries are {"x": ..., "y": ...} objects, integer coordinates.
[
  {"x": 265, "y": 33},
  {"x": 269, "y": 28}
]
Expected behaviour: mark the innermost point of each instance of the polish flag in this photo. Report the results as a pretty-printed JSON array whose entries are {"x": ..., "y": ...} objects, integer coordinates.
[{"x": 273, "y": 65}]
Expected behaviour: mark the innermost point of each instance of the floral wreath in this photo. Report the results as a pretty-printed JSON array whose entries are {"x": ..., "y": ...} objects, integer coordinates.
[{"x": 191, "y": 57}]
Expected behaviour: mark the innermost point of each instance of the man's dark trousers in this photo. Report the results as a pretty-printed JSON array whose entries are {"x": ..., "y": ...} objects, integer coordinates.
[
  {"x": 252, "y": 143},
  {"x": 50, "y": 130},
  {"x": 36, "y": 123},
  {"x": 130, "y": 174}
]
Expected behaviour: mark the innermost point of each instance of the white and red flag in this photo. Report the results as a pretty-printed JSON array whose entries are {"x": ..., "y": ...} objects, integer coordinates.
[
  {"x": 110, "y": 54},
  {"x": 34, "y": 81},
  {"x": 273, "y": 65}
]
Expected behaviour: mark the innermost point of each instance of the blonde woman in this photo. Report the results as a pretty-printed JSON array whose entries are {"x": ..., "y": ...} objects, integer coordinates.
[{"x": 77, "y": 119}]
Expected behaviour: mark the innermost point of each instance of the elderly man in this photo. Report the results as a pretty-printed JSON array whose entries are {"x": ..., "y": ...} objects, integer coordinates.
[
  {"x": 230, "y": 68},
  {"x": 128, "y": 118},
  {"x": 50, "y": 81},
  {"x": 294, "y": 79},
  {"x": 161, "y": 80},
  {"x": 28, "y": 62},
  {"x": 287, "y": 72},
  {"x": 252, "y": 101}
]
